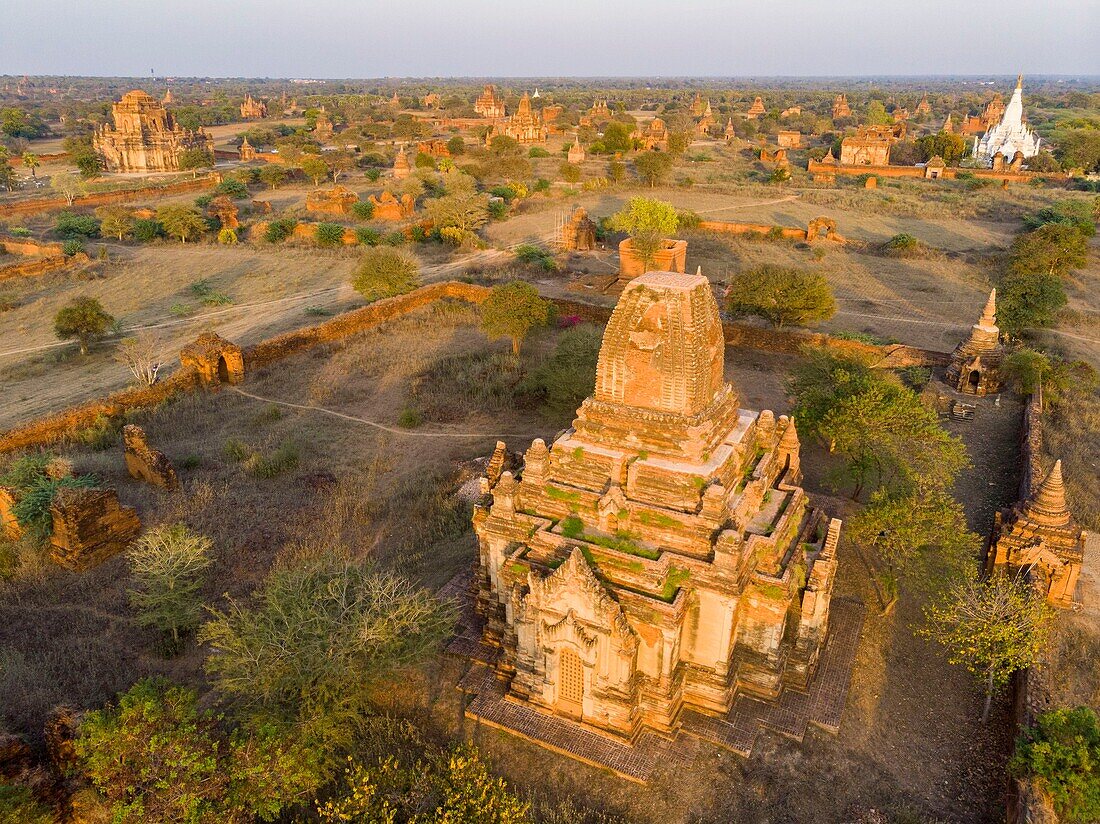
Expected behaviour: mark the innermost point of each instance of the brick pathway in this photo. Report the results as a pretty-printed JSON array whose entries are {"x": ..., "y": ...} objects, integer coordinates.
[{"x": 790, "y": 715}]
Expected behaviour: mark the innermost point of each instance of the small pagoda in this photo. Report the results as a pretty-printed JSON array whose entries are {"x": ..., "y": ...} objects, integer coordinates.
[{"x": 975, "y": 362}]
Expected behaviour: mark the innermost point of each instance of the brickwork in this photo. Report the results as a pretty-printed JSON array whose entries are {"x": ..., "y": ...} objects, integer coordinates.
[
  {"x": 90, "y": 526},
  {"x": 145, "y": 463}
]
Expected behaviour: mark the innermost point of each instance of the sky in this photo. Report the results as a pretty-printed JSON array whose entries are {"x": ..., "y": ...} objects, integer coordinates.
[{"x": 548, "y": 38}]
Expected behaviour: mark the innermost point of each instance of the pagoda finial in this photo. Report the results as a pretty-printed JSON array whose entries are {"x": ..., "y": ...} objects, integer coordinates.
[
  {"x": 989, "y": 314},
  {"x": 1019, "y": 81},
  {"x": 699, "y": 271},
  {"x": 1048, "y": 503}
]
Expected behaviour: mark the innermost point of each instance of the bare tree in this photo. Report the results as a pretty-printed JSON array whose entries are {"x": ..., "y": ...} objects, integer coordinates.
[
  {"x": 139, "y": 355},
  {"x": 70, "y": 185}
]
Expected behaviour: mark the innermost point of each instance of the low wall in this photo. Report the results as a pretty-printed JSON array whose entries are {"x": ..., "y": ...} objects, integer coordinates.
[
  {"x": 40, "y": 266},
  {"x": 21, "y": 208},
  {"x": 29, "y": 247},
  {"x": 64, "y": 424},
  {"x": 789, "y": 232},
  {"x": 816, "y": 167}
]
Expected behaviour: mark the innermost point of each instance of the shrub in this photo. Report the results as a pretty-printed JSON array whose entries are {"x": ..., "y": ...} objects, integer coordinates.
[
  {"x": 82, "y": 318},
  {"x": 227, "y": 237},
  {"x": 537, "y": 151},
  {"x": 34, "y": 489},
  {"x": 70, "y": 226},
  {"x": 648, "y": 222},
  {"x": 534, "y": 255},
  {"x": 1062, "y": 751},
  {"x": 233, "y": 188},
  {"x": 687, "y": 219},
  {"x": 329, "y": 234},
  {"x": 1029, "y": 301},
  {"x": 570, "y": 172},
  {"x": 167, "y": 564},
  {"x": 781, "y": 295},
  {"x": 410, "y": 418},
  {"x": 72, "y": 247},
  {"x": 903, "y": 245},
  {"x": 566, "y": 378},
  {"x": 280, "y": 229},
  {"x": 395, "y": 238},
  {"x": 363, "y": 209},
  {"x": 384, "y": 272},
  {"x": 147, "y": 229},
  {"x": 512, "y": 310}
]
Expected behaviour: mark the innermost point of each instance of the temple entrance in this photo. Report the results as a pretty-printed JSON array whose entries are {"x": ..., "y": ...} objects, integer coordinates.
[
  {"x": 974, "y": 379},
  {"x": 570, "y": 682},
  {"x": 223, "y": 370}
]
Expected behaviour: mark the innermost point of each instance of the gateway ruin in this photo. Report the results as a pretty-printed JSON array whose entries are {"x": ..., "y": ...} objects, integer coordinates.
[{"x": 660, "y": 555}]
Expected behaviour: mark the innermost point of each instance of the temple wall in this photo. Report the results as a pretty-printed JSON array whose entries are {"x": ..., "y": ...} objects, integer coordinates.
[
  {"x": 34, "y": 268},
  {"x": 38, "y": 205},
  {"x": 815, "y": 167}
]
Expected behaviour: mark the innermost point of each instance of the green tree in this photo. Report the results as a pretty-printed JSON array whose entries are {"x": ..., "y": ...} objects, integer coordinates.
[
  {"x": 1025, "y": 369},
  {"x": 1027, "y": 301},
  {"x": 1078, "y": 149},
  {"x": 182, "y": 221},
  {"x": 951, "y": 147},
  {"x": 993, "y": 628},
  {"x": 116, "y": 221},
  {"x": 876, "y": 114},
  {"x": 617, "y": 138},
  {"x": 456, "y": 146},
  {"x": 616, "y": 171},
  {"x": 385, "y": 271},
  {"x": 468, "y": 211},
  {"x": 1061, "y": 751},
  {"x": 570, "y": 172},
  {"x": 566, "y": 378},
  {"x": 315, "y": 640},
  {"x": 191, "y": 160},
  {"x": 88, "y": 162},
  {"x": 315, "y": 168},
  {"x": 512, "y": 310},
  {"x": 781, "y": 295},
  {"x": 69, "y": 185},
  {"x": 448, "y": 787},
  {"x": 82, "y": 318},
  {"x": 1052, "y": 249},
  {"x": 31, "y": 161},
  {"x": 167, "y": 565},
  {"x": 329, "y": 234},
  {"x": 273, "y": 175},
  {"x": 158, "y": 758},
  {"x": 648, "y": 222},
  {"x": 653, "y": 167}
]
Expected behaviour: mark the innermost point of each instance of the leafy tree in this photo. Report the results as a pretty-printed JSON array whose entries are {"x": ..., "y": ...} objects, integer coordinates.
[
  {"x": 653, "y": 167},
  {"x": 616, "y": 171},
  {"x": 384, "y": 272},
  {"x": 159, "y": 758},
  {"x": 315, "y": 168},
  {"x": 88, "y": 163},
  {"x": 1026, "y": 301},
  {"x": 82, "y": 318},
  {"x": 1080, "y": 214},
  {"x": 8, "y": 178},
  {"x": 566, "y": 378},
  {"x": 1078, "y": 149},
  {"x": 147, "y": 230},
  {"x": 31, "y": 161},
  {"x": 116, "y": 221},
  {"x": 1062, "y": 752},
  {"x": 329, "y": 234},
  {"x": 993, "y": 628},
  {"x": 448, "y": 787},
  {"x": 467, "y": 211},
  {"x": 951, "y": 147},
  {"x": 315, "y": 640},
  {"x": 617, "y": 138},
  {"x": 1052, "y": 249},
  {"x": 69, "y": 185},
  {"x": 191, "y": 160},
  {"x": 232, "y": 187},
  {"x": 570, "y": 172},
  {"x": 182, "y": 221},
  {"x": 71, "y": 226},
  {"x": 876, "y": 114},
  {"x": 167, "y": 564},
  {"x": 1025, "y": 369},
  {"x": 18, "y": 123},
  {"x": 338, "y": 163},
  {"x": 648, "y": 222},
  {"x": 512, "y": 310},
  {"x": 781, "y": 295},
  {"x": 456, "y": 146},
  {"x": 19, "y": 806},
  {"x": 1044, "y": 163},
  {"x": 273, "y": 175}
]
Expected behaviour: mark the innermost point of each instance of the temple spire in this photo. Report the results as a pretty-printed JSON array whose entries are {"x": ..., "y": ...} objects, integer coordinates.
[
  {"x": 989, "y": 314},
  {"x": 1048, "y": 503},
  {"x": 1019, "y": 81}
]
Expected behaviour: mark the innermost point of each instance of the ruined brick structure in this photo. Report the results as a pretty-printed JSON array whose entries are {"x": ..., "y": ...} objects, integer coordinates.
[
  {"x": 253, "y": 109},
  {"x": 670, "y": 257},
  {"x": 756, "y": 109},
  {"x": 975, "y": 361},
  {"x": 576, "y": 152},
  {"x": 323, "y": 129},
  {"x": 488, "y": 104},
  {"x": 145, "y": 463},
  {"x": 660, "y": 554},
  {"x": 923, "y": 108},
  {"x": 389, "y": 207},
  {"x": 869, "y": 146},
  {"x": 145, "y": 137},
  {"x": 578, "y": 233},
  {"x": 246, "y": 152},
  {"x": 841, "y": 107},
  {"x": 728, "y": 134},
  {"x": 225, "y": 210},
  {"x": 401, "y": 166},
  {"x": 214, "y": 359},
  {"x": 1039, "y": 539},
  {"x": 654, "y": 136},
  {"x": 335, "y": 201},
  {"x": 90, "y": 526},
  {"x": 789, "y": 139}
]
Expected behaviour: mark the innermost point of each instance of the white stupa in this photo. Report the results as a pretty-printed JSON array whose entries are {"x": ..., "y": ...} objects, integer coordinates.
[{"x": 1011, "y": 135}]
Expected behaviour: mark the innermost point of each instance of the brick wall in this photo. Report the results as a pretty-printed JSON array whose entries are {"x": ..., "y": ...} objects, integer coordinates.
[{"x": 21, "y": 208}]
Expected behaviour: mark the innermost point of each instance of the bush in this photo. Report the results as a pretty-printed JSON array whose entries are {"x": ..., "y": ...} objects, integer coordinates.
[
  {"x": 384, "y": 272},
  {"x": 147, "y": 230},
  {"x": 329, "y": 234},
  {"x": 34, "y": 489},
  {"x": 903, "y": 245},
  {"x": 71, "y": 226},
  {"x": 363, "y": 209},
  {"x": 534, "y": 255},
  {"x": 781, "y": 295},
  {"x": 1026, "y": 301},
  {"x": 566, "y": 378},
  {"x": 498, "y": 209},
  {"x": 537, "y": 151},
  {"x": 368, "y": 236},
  {"x": 570, "y": 172},
  {"x": 227, "y": 237},
  {"x": 1062, "y": 751},
  {"x": 395, "y": 238},
  {"x": 167, "y": 565},
  {"x": 410, "y": 418},
  {"x": 72, "y": 247},
  {"x": 280, "y": 229},
  {"x": 233, "y": 188}
]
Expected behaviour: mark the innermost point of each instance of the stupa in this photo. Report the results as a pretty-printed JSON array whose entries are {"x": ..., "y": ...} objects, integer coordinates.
[
  {"x": 1011, "y": 135},
  {"x": 975, "y": 361}
]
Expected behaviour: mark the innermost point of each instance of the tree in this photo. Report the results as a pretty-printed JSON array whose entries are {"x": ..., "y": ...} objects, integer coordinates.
[
  {"x": 69, "y": 185},
  {"x": 512, "y": 310},
  {"x": 139, "y": 355},
  {"x": 82, "y": 318},
  {"x": 570, "y": 172},
  {"x": 316, "y": 638},
  {"x": 31, "y": 161},
  {"x": 876, "y": 114},
  {"x": 117, "y": 221},
  {"x": 781, "y": 295},
  {"x": 648, "y": 222},
  {"x": 159, "y": 758},
  {"x": 1026, "y": 301},
  {"x": 448, "y": 787},
  {"x": 993, "y": 628},
  {"x": 1078, "y": 149},
  {"x": 951, "y": 147},
  {"x": 385, "y": 271},
  {"x": 88, "y": 162},
  {"x": 456, "y": 146},
  {"x": 566, "y": 378},
  {"x": 1052, "y": 249},
  {"x": 467, "y": 211},
  {"x": 339, "y": 162},
  {"x": 273, "y": 175},
  {"x": 1061, "y": 751},
  {"x": 167, "y": 565},
  {"x": 1025, "y": 369},
  {"x": 191, "y": 160},
  {"x": 616, "y": 170},
  {"x": 8, "y": 178},
  {"x": 617, "y": 138},
  {"x": 315, "y": 168},
  {"x": 182, "y": 221},
  {"x": 653, "y": 167}
]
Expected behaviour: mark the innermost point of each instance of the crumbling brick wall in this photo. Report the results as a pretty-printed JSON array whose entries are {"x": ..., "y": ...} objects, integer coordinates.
[
  {"x": 90, "y": 526},
  {"x": 21, "y": 208},
  {"x": 145, "y": 463}
]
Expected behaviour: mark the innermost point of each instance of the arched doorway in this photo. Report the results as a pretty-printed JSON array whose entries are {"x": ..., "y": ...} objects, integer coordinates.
[
  {"x": 223, "y": 370},
  {"x": 570, "y": 682},
  {"x": 974, "y": 378}
]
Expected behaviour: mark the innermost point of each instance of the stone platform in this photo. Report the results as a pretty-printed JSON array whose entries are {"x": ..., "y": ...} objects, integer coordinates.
[{"x": 791, "y": 715}]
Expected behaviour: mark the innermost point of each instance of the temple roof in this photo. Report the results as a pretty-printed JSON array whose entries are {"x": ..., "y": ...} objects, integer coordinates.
[{"x": 1047, "y": 504}]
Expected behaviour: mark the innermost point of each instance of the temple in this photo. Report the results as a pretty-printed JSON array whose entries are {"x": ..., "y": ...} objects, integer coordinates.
[
  {"x": 660, "y": 554},
  {"x": 525, "y": 126},
  {"x": 841, "y": 107},
  {"x": 146, "y": 137},
  {"x": 488, "y": 104},
  {"x": 976, "y": 360},
  {"x": 1011, "y": 136},
  {"x": 1039, "y": 540},
  {"x": 253, "y": 109}
]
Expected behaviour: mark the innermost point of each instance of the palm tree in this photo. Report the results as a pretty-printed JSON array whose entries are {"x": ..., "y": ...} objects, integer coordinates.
[{"x": 31, "y": 161}]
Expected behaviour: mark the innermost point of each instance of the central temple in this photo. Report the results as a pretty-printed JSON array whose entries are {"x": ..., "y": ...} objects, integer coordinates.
[{"x": 660, "y": 555}]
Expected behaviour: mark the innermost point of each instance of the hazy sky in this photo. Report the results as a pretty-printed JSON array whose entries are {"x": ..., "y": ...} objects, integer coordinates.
[{"x": 367, "y": 38}]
